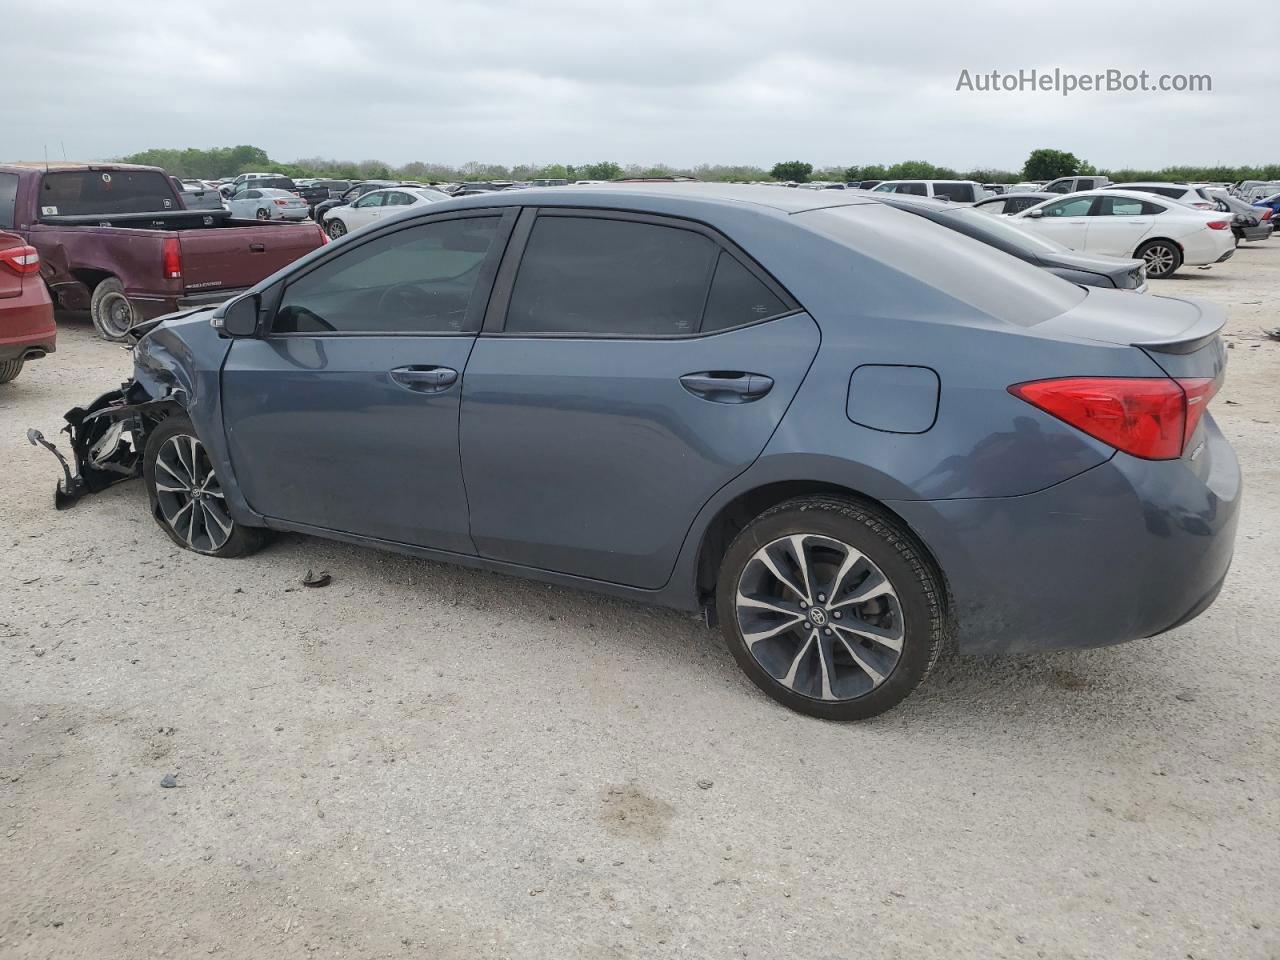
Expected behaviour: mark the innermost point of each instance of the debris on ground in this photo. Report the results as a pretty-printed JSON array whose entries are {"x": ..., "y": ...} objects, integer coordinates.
[
  {"x": 321, "y": 579},
  {"x": 168, "y": 781},
  {"x": 1272, "y": 334}
]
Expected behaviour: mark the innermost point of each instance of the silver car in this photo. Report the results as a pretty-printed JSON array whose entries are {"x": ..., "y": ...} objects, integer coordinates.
[{"x": 268, "y": 204}]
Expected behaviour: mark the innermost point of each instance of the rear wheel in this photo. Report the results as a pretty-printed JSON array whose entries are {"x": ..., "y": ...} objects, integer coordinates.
[
  {"x": 335, "y": 228},
  {"x": 186, "y": 496},
  {"x": 113, "y": 314},
  {"x": 9, "y": 369},
  {"x": 1162, "y": 258},
  {"x": 830, "y": 608},
  {"x": 263, "y": 214}
]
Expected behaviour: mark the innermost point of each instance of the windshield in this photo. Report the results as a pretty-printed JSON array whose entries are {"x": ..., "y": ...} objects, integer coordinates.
[
  {"x": 978, "y": 222},
  {"x": 88, "y": 192}
]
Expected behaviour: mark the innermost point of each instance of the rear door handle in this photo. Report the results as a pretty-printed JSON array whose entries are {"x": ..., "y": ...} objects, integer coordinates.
[
  {"x": 425, "y": 379},
  {"x": 727, "y": 386}
]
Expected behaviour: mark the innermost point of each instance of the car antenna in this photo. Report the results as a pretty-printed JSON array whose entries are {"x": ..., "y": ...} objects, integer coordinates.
[{"x": 46, "y": 158}]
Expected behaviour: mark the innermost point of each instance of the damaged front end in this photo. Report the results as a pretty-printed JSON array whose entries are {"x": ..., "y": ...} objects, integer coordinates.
[{"x": 107, "y": 439}]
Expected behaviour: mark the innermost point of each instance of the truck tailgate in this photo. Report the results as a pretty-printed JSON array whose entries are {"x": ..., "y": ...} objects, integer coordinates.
[{"x": 241, "y": 252}]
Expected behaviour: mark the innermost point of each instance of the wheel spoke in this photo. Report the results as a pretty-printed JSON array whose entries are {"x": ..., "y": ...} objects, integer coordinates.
[
  {"x": 886, "y": 638},
  {"x": 851, "y": 560},
  {"x": 876, "y": 676},
  {"x": 802, "y": 559},
  {"x": 212, "y": 513},
  {"x": 876, "y": 585},
  {"x": 185, "y": 481},
  {"x": 755, "y": 603},
  {"x": 789, "y": 681},
  {"x": 767, "y": 559},
  {"x": 826, "y": 659},
  {"x": 753, "y": 638}
]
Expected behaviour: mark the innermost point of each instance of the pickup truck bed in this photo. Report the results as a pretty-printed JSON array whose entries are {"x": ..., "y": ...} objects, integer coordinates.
[{"x": 125, "y": 226}]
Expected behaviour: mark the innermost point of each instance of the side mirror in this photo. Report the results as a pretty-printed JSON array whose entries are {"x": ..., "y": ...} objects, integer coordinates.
[
  {"x": 239, "y": 318},
  {"x": 1035, "y": 214}
]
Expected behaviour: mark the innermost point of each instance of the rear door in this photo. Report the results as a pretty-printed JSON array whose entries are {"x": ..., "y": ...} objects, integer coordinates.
[
  {"x": 630, "y": 366},
  {"x": 344, "y": 415},
  {"x": 1118, "y": 224}
]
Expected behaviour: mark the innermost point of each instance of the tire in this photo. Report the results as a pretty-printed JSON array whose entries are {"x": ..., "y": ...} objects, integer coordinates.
[
  {"x": 173, "y": 464},
  {"x": 263, "y": 214},
  {"x": 111, "y": 310},
  {"x": 9, "y": 369},
  {"x": 1162, "y": 257},
  {"x": 818, "y": 663},
  {"x": 335, "y": 228}
]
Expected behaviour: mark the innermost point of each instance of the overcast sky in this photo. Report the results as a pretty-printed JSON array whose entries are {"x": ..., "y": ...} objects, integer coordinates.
[{"x": 645, "y": 82}]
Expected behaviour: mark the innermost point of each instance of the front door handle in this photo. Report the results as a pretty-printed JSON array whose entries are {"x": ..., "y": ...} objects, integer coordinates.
[
  {"x": 425, "y": 379},
  {"x": 727, "y": 386}
]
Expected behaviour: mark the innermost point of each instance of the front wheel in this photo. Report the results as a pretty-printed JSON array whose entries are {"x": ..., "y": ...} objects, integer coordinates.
[
  {"x": 1162, "y": 257},
  {"x": 186, "y": 497},
  {"x": 830, "y": 608},
  {"x": 335, "y": 228},
  {"x": 263, "y": 214}
]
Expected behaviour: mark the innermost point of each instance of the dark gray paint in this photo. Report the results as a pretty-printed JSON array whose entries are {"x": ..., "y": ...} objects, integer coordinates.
[
  {"x": 893, "y": 399},
  {"x": 1024, "y": 515}
]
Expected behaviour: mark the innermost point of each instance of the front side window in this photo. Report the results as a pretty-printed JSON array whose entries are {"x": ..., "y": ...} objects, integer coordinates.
[
  {"x": 595, "y": 276},
  {"x": 371, "y": 200},
  {"x": 915, "y": 189},
  {"x": 1059, "y": 186},
  {"x": 1076, "y": 207},
  {"x": 417, "y": 280}
]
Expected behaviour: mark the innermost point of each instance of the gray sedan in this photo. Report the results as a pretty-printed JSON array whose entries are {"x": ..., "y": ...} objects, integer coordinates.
[{"x": 844, "y": 432}]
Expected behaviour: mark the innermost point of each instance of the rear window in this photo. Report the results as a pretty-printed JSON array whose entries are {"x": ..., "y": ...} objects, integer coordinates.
[
  {"x": 88, "y": 192},
  {"x": 8, "y": 196},
  {"x": 901, "y": 250}
]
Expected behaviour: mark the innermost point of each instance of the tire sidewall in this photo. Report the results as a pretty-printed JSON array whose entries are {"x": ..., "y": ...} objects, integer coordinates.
[
  {"x": 107, "y": 288},
  {"x": 887, "y": 547}
]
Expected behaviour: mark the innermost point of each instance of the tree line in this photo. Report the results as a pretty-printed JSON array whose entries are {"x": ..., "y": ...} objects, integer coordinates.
[{"x": 1042, "y": 164}]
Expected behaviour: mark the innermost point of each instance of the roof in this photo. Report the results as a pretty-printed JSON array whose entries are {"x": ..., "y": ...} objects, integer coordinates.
[
  {"x": 653, "y": 196},
  {"x": 64, "y": 166}
]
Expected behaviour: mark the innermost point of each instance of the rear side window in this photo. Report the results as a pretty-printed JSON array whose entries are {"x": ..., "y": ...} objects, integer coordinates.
[
  {"x": 915, "y": 189},
  {"x": 89, "y": 192},
  {"x": 959, "y": 192},
  {"x": 738, "y": 297},
  {"x": 8, "y": 197},
  {"x": 594, "y": 276},
  {"x": 417, "y": 280}
]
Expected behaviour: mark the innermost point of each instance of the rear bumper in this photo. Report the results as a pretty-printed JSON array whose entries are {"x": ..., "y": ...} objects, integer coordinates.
[
  {"x": 150, "y": 307},
  {"x": 1126, "y": 550},
  {"x": 26, "y": 323},
  {"x": 1262, "y": 231}
]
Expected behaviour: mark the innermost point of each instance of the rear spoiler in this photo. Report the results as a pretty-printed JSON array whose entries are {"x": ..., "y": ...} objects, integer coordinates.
[{"x": 1201, "y": 333}]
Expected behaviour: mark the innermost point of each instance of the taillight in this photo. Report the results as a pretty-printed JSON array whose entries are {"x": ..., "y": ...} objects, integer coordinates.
[
  {"x": 1219, "y": 224},
  {"x": 21, "y": 260},
  {"x": 171, "y": 259},
  {"x": 281, "y": 202},
  {"x": 1266, "y": 213},
  {"x": 1147, "y": 417}
]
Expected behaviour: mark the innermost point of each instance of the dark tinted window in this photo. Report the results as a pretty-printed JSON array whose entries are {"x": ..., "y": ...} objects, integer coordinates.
[
  {"x": 613, "y": 277},
  {"x": 1017, "y": 204},
  {"x": 8, "y": 195},
  {"x": 85, "y": 192},
  {"x": 1063, "y": 187},
  {"x": 418, "y": 280},
  {"x": 915, "y": 189},
  {"x": 959, "y": 192},
  {"x": 738, "y": 296}
]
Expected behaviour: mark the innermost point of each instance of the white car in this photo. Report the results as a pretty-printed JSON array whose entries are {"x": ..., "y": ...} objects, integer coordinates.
[
  {"x": 1165, "y": 234},
  {"x": 268, "y": 204},
  {"x": 957, "y": 191},
  {"x": 375, "y": 205},
  {"x": 1182, "y": 192}
]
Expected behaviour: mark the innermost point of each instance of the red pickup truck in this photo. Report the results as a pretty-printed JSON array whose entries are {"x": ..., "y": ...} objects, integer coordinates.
[{"x": 116, "y": 239}]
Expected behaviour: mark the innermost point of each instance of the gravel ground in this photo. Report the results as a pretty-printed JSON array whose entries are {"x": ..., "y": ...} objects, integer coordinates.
[{"x": 426, "y": 761}]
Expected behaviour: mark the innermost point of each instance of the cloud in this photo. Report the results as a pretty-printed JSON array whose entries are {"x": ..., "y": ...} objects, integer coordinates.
[{"x": 573, "y": 81}]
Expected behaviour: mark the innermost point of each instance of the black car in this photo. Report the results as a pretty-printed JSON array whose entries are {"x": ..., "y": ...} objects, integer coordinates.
[
  {"x": 1089, "y": 269},
  {"x": 1012, "y": 202},
  {"x": 316, "y": 192}
]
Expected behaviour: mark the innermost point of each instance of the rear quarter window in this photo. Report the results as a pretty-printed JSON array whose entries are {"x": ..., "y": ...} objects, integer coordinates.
[
  {"x": 8, "y": 198},
  {"x": 958, "y": 192},
  {"x": 899, "y": 254},
  {"x": 87, "y": 192}
]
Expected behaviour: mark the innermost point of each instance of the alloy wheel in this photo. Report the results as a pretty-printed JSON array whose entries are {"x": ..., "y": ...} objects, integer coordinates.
[
  {"x": 337, "y": 229},
  {"x": 189, "y": 495},
  {"x": 1159, "y": 259},
  {"x": 820, "y": 617}
]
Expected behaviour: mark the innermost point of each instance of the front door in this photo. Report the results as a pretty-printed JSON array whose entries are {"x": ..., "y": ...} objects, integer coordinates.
[
  {"x": 1066, "y": 221},
  {"x": 641, "y": 366},
  {"x": 344, "y": 415}
]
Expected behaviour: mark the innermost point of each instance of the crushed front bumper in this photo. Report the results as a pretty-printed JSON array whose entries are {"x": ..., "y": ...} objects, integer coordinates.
[{"x": 107, "y": 439}]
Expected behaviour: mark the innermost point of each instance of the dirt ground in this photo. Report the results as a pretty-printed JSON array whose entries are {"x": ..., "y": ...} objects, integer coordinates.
[{"x": 425, "y": 761}]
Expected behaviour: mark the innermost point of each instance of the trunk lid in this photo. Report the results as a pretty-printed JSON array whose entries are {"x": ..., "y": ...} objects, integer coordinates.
[{"x": 240, "y": 257}]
